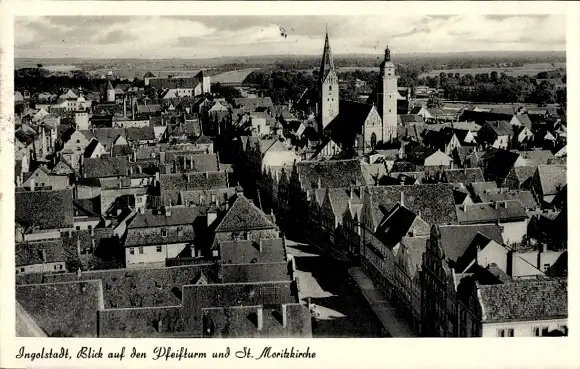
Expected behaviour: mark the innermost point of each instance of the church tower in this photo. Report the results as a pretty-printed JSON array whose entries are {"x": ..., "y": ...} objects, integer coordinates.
[
  {"x": 390, "y": 93},
  {"x": 110, "y": 92},
  {"x": 327, "y": 88}
]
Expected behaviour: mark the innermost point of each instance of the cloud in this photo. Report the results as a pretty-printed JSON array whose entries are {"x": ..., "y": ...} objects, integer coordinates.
[{"x": 211, "y": 36}]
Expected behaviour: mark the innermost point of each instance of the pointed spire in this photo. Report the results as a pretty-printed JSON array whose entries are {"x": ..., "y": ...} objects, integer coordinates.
[
  {"x": 327, "y": 63},
  {"x": 109, "y": 86},
  {"x": 387, "y": 54}
]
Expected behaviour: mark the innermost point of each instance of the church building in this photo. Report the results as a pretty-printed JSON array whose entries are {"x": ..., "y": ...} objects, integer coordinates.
[{"x": 350, "y": 124}]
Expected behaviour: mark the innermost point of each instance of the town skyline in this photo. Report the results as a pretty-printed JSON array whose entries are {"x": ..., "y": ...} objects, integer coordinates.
[{"x": 203, "y": 37}]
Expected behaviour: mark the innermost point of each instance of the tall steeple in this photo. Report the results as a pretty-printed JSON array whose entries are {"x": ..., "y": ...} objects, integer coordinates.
[
  {"x": 328, "y": 93},
  {"x": 387, "y": 54},
  {"x": 389, "y": 96},
  {"x": 327, "y": 63}
]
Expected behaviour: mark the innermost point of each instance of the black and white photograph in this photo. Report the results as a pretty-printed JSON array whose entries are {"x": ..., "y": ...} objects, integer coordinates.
[{"x": 286, "y": 176}]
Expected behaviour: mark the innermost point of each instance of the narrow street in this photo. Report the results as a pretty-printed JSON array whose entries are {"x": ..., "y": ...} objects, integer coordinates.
[{"x": 340, "y": 308}]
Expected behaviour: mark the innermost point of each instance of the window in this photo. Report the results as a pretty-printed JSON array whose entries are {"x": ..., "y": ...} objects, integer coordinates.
[
  {"x": 546, "y": 267},
  {"x": 22, "y": 269},
  {"x": 164, "y": 232},
  {"x": 60, "y": 267},
  {"x": 140, "y": 250},
  {"x": 78, "y": 228},
  {"x": 159, "y": 248},
  {"x": 545, "y": 331},
  {"x": 510, "y": 332},
  {"x": 78, "y": 141},
  {"x": 89, "y": 227},
  {"x": 132, "y": 251},
  {"x": 536, "y": 331}
]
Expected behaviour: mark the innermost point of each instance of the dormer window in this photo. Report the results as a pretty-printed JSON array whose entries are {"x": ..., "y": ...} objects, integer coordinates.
[{"x": 164, "y": 232}]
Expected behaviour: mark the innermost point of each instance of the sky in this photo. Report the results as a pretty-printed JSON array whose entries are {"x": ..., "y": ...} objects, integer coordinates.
[{"x": 191, "y": 37}]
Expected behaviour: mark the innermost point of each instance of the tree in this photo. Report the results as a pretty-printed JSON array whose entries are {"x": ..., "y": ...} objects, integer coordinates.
[{"x": 434, "y": 102}]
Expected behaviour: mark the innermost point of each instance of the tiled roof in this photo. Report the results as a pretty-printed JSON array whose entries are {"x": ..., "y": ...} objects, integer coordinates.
[
  {"x": 45, "y": 209},
  {"x": 465, "y": 175},
  {"x": 135, "y": 237},
  {"x": 536, "y": 157},
  {"x": 524, "y": 173},
  {"x": 193, "y": 181},
  {"x": 434, "y": 202},
  {"x": 552, "y": 178},
  {"x": 247, "y": 251},
  {"x": 399, "y": 223},
  {"x": 105, "y": 167},
  {"x": 201, "y": 162},
  {"x": 140, "y": 133},
  {"x": 410, "y": 118},
  {"x": 240, "y": 322},
  {"x": 480, "y": 187},
  {"x": 501, "y": 127},
  {"x": 150, "y": 108},
  {"x": 504, "y": 211},
  {"x": 332, "y": 173},
  {"x": 525, "y": 197},
  {"x": 250, "y": 104},
  {"x": 194, "y": 196},
  {"x": 525, "y": 300},
  {"x": 244, "y": 215},
  {"x": 525, "y": 120},
  {"x": 255, "y": 272},
  {"x": 455, "y": 239},
  {"x": 500, "y": 162},
  {"x": 31, "y": 253},
  {"x": 179, "y": 216},
  {"x": 339, "y": 199}
]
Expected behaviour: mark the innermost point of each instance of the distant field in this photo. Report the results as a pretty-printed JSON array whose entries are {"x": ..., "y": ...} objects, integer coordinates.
[
  {"x": 530, "y": 69},
  {"x": 140, "y": 72},
  {"x": 234, "y": 76},
  {"x": 60, "y": 68}
]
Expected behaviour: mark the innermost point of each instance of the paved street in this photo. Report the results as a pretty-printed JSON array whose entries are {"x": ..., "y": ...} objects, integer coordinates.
[{"x": 342, "y": 310}]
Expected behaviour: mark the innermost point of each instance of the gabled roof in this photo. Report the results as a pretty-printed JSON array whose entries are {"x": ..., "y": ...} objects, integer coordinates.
[
  {"x": 332, "y": 173},
  {"x": 501, "y": 127},
  {"x": 178, "y": 216},
  {"x": 536, "y": 157},
  {"x": 552, "y": 178},
  {"x": 31, "y": 253},
  {"x": 524, "y": 173},
  {"x": 105, "y": 167},
  {"x": 525, "y": 300},
  {"x": 251, "y": 252},
  {"x": 399, "y": 223},
  {"x": 504, "y": 211},
  {"x": 44, "y": 209},
  {"x": 524, "y": 119},
  {"x": 140, "y": 133},
  {"x": 455, "y": 239},
  {"x": 525, "y": 197},
  {"x": 244, "y": 215},
  {"x": 465, "y": 175},
  {"x": 435, "y": 202}
]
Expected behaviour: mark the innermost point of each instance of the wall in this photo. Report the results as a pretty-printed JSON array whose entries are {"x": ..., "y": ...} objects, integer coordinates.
[
  {"x": 514, "y": 231},
  {"x": 501, "y": 142},
  {"x": 493, "y": 253},
  {"x": 278, "y": 158},
  {"x": 521, "y": 329},
  {"x": 108, "y": 197},
  {"x": 84, "y": 223},
  {"x": 87, "y": 192},
  {"x": 63, "y": 309},
  {"x": 151, "y": 255},
  {"x": 438, "y": 159},
  {"x": 41, "y": 268},
  {"x": 131, "y": 123}
]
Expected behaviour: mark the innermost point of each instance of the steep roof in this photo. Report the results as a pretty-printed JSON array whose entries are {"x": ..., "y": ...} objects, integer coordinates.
[
  {"x": 105, "y": 167},
  {"x": 140, "y": 133},
  {"x": 525, "y": 197},
  {"x": 31, "y": 253},
  {"x": 244, "y": 215},
  {"x": 179, "y": 216},
  {"x": 45, "y": 209},
  {"x": 536, "y": 157},
  {"x": 501, "y": 127},
  {"x": 552, "y": 178},
  {"x": 435, "y": 202},
  {"x": 525, "y": 300},
  {"x": 332, "y": 173},
  {"x": 250, "y": 252},
  {"x": 327, "y": 63},
  {"x": 399, "y": 223},
  {"x": 455, "y": 239},
  {"x": 504, "y": 211},
  {"x": 524, "y": 173},
  {"x": 465, "y": 175}
]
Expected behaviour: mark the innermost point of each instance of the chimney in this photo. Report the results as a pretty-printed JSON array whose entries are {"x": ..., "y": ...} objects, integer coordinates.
[
  {"x": 132, "y": 108},
  {"x": 284, "y": 316},
  {"x": 351, "y": 193},
  {"x": 319, "y": 184},
  {"x": 157, "y": 175},
  {"x": 43, "y": 254},
  {"x": 260, "y": 317},
  {"x": 496, "y": 205},
  {"x": 92, "y": 241},
  {"x": 168, "y": 210},
  {"x": 32, "y": 184},
  {"x": 402, "y": 201},
  {"x": 78, "y": 245},
  {"x": 141, "y": 210},
  {"x": 125, "y": 106}
]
